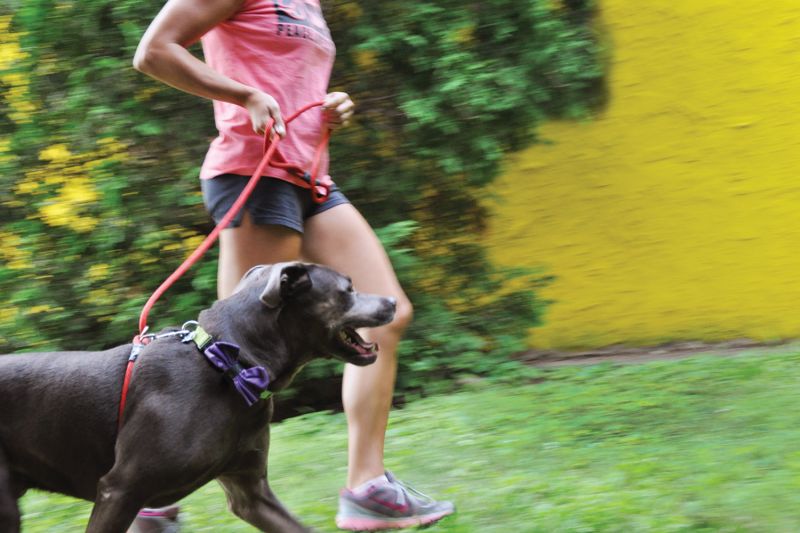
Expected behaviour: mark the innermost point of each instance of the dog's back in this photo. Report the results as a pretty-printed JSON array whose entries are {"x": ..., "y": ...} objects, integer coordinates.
[{"x": 68, "y": 435}]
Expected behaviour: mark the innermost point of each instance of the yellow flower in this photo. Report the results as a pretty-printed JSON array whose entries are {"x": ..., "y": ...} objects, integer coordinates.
[
  {"x": 65, "y": 209},
  {"x": 5, "y": 149},
  {"x": 55, "y": 153},
  {"x": 84, "y": 224},
  {"x": 78, "y": 191},
  {"x": 98, "y": 272},
  {"x": 191, "y": 243},
  {"x": 17, "y": 84},
  {"x": 8, "y": 314},
  {"x": 10, "y": 53},
  {"x": 26, "y": 187},
  {"x": 12, "y": 252},
  {"x": 171, "y": 247},
  {"x": 99, "y": 296},
  {"x": 54, "y": 177},
  {"x": 56, "y": 214}
]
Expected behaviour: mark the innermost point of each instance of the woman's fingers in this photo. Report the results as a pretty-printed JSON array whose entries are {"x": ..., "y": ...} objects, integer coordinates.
[
  {"x": 339, "y": 108},
  {"x": 263, "y": 108}
]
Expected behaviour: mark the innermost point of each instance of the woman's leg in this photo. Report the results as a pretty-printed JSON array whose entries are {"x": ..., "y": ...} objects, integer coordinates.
[
  {"x": 343, "y": 240},
  {"x": 249, "y": 245}
]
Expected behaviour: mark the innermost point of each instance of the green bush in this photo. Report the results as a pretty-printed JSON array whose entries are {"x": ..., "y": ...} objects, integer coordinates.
[{"x": 99, "y": 164}]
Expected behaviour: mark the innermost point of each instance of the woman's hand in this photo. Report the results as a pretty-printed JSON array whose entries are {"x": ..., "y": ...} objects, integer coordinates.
[
  {"x": 338, "y": 109},
  {"x": 263, "y": 107}
]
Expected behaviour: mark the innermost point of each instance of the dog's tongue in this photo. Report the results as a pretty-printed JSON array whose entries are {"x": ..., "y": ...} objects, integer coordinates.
[
  {"x": 362, "y": 347},
  {"x": 367, "y": 348}
]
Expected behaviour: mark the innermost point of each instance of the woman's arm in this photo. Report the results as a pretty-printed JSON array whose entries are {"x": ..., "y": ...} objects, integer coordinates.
[{"x": 162, "y": 54}]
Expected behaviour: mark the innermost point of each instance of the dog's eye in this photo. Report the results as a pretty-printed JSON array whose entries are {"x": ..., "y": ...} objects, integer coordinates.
[{"x": 350, "y": 289}]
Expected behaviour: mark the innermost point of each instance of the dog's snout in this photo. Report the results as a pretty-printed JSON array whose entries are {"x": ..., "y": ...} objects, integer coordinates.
[{"x": 390, "y": 307}]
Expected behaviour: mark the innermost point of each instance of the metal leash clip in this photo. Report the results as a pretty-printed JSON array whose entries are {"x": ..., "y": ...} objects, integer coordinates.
[
  {"x": 144, "y": 337},
  {"x": 189, "y": 330}
]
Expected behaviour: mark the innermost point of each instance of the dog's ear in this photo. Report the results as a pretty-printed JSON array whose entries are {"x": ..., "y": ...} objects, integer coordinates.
[
  {"x": 243, "y": 281},
  {"x": 285, "y": 280}
]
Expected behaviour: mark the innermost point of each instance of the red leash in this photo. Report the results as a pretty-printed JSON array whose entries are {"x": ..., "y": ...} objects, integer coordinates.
[{"x": 308, "y": 180}]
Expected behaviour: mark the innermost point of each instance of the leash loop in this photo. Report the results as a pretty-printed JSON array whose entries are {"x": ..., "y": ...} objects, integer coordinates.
[{"x": 319, "y": 189}]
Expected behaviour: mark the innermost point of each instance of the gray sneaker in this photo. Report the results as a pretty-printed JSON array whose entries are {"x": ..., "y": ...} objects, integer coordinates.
[
  {"x": 163, "y": 520},
  {"x": 390, "y": 505}
]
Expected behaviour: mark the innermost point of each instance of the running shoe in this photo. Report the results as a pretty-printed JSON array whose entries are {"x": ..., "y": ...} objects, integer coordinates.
[{"x": 388, "y": 504}]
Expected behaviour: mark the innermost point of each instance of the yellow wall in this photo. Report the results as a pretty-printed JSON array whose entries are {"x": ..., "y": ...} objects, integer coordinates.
[{"x": 675, "y": 214}]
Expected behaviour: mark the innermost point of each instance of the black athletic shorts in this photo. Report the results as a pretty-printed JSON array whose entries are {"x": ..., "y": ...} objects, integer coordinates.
[{"x": 273, "y": 201}]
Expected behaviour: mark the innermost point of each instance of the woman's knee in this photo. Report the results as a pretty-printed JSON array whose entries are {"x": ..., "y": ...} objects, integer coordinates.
[{"x": 403, "y": 315}]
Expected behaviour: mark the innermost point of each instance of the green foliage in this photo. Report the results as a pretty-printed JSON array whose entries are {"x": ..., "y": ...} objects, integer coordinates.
[
  {"x": 464, "y": 82},
  {"x": 99, "y": 164},
  {"x": 706, "y": 444},
  {"x": 81, "y": 278}
]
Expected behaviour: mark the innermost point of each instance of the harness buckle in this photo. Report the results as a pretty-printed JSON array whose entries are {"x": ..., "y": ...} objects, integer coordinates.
[
  {"x": 136, "y": 349},
  {"x": 139, "y": 342}
]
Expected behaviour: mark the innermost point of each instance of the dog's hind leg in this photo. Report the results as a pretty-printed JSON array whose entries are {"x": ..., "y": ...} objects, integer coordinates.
[
  {"x": 251, "y": 499},
  {"x": 9, "y": 510}
]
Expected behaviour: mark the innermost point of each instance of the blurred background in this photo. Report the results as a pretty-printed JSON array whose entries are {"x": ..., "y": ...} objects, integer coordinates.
[
  {"x": 549, "y": 176},
  {"x": 100, "y": 197}
]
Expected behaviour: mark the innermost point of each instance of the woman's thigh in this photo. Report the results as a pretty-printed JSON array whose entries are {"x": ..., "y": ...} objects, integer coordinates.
[
  {"x": 267, "y": 230},
  {"x": 251, "y": 244},
  {"x": 342, "y": 239}
]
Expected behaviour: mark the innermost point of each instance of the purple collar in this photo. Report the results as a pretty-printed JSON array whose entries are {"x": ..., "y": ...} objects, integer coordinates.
[{"x": 251, "y": 383}]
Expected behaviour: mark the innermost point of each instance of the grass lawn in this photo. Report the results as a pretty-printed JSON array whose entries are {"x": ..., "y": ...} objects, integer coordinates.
[{"x": 701, "y": 444}]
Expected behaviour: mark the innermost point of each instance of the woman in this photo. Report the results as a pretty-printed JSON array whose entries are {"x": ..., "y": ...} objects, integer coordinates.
[{"x": 264, "y": 57}]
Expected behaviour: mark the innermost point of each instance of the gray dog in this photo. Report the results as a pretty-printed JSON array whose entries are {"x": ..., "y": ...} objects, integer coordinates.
[{"x": 187, "y": 419}]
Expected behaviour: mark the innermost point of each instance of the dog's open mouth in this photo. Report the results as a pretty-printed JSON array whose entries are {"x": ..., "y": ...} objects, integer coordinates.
[{"x": 353, "y": 341}]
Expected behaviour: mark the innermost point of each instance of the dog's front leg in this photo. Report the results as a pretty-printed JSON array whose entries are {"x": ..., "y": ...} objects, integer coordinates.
[
  {"x": 9, "y": 512},
  {"x": 251, "y": 499},
  {"x": 115, "y": 507}
]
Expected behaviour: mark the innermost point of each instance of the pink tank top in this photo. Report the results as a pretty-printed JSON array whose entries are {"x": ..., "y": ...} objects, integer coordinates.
[{"x": 283, "y": 48}]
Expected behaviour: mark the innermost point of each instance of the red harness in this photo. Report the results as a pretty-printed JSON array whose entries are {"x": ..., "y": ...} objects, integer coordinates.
[{"x": 319, "y": 190}]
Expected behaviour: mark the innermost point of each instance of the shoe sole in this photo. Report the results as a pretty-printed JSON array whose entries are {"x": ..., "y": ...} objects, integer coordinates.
[{"x": 377, "y": 524}]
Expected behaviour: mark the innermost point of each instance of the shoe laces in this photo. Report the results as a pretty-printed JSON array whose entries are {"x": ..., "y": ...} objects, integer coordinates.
[{"x": 409, "y": 489}]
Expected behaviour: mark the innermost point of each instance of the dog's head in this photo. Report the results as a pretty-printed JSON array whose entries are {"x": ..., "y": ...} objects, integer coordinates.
[{"x": 324, "y": 304}]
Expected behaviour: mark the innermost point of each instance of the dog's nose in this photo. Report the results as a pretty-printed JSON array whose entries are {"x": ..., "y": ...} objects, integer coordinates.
[{"x": 393, "y": 302}]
